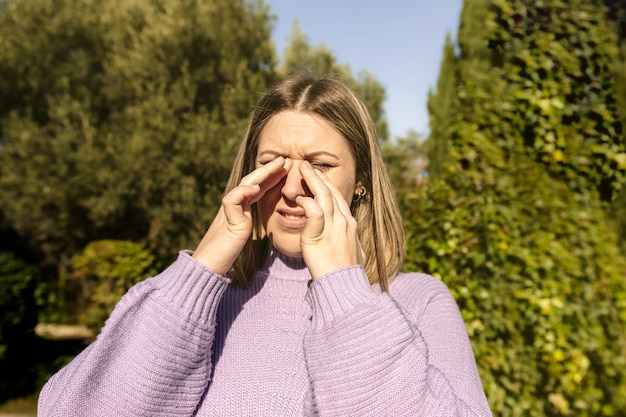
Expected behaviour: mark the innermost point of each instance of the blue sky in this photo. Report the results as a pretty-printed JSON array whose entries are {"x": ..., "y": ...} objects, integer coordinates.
[{"x": 399, "y": 41}]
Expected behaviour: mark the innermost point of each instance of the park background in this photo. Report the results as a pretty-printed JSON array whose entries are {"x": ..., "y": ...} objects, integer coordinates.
[{"x": 118, "y": 125}]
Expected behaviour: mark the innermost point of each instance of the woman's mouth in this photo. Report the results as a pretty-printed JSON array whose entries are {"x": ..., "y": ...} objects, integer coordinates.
[
  {"x": 292, "y": 216},
  {"x": 291, "y": 220}
]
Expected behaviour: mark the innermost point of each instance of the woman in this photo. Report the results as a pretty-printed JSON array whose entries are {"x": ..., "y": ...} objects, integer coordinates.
[{"x": 292, "y": 303}]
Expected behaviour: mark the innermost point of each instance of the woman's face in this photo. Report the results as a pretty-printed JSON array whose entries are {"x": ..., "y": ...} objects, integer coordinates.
[{"x": 301, "y": 137}]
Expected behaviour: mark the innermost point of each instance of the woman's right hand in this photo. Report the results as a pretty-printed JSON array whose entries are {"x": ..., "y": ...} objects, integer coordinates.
[{"x": 232, "y": 226}]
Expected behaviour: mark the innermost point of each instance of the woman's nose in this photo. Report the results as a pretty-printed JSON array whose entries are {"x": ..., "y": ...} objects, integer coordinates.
[{"x": 294, "y": 185}]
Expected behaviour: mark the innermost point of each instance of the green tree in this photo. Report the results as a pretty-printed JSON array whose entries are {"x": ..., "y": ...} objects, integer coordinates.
[
  {"x": 119, "y": 119},
  {"x": 516, "y": 223},
  {"x": 440, "y": 109},
  {"x": 405, "y": 158}
]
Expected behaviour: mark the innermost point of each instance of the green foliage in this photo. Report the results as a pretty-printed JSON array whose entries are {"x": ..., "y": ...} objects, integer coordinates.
[
  {"x": 515, "y": 223},
  {"x": 559, "y": 58},
  {"x": 540, "y": 283},
  {"x": 617, "y": 13},
  {"x": 18, "y": 311},
  {"x": 440, "y": 104},
  {"x": 104, "y": 271},
  {"x": 18, "y": 317},
  {"x": 405, "y": 159},
  {"x": 119, "y": 119},
  {"x": 617, "y": 214}
]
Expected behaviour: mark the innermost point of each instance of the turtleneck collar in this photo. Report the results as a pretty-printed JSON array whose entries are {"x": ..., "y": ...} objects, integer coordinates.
[{"x": 282, "y": 266}]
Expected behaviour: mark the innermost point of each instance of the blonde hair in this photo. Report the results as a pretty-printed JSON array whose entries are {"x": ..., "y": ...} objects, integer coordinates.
[{"x": 378, "y": 217}]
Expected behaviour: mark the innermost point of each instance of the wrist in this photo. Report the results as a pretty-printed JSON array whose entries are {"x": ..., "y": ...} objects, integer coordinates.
[
  {"x": 320, "y": 269},
  {"x": 211, "y": 260},
  {"x": 337, "y": 292}
]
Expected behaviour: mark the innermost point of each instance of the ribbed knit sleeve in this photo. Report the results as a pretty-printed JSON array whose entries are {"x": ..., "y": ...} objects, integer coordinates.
[
  {"x": 366, "y": 353},
  {"x": 151, "y": 357}
]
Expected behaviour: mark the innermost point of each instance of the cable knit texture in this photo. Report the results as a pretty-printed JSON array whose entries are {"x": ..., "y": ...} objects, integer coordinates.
[{"x": 184, "y": 343}]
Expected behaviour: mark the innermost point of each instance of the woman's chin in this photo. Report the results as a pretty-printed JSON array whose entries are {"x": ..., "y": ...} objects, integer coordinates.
[{"x": 291, "y": 249}]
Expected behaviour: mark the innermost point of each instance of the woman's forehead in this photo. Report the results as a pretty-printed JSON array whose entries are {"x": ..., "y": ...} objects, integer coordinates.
[{"x": 299, "y": 133}]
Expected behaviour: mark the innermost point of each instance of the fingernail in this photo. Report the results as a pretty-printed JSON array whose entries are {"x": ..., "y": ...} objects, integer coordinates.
[{"x": 306, "y": 165}]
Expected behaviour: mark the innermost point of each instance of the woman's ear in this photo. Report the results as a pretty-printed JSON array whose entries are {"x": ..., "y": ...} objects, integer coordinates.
[{"x": 359, "y": 192}]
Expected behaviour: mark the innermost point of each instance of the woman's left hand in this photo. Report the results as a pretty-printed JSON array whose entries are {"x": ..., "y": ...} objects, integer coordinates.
[{"x": 329, "y": 239}]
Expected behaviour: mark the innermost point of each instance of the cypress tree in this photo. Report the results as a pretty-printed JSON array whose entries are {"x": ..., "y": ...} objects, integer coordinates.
[{"x": 441, "y": 110}]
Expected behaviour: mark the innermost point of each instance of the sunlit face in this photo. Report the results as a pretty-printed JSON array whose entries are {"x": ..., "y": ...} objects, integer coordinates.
[{"x": 301, "y": 137}]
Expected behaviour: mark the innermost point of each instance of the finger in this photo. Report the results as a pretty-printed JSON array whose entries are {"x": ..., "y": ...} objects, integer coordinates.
[
  {"x": 319, "y": 189},
  {"x": 341, "y": 206},
  {"x": 237, "y": 203},
  {"x": 339, "y": 201},
  {"x": 268, "y": 175},
  {"x": 264, "y": 172},
  {"x": 315, "y": 223}
]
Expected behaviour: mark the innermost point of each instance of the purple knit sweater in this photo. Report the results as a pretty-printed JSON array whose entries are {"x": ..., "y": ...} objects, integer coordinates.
[{"x": 283, "y": 347}]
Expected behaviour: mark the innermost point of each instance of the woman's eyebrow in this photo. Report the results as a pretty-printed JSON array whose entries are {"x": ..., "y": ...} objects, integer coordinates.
[
  {"x": 307, "y": 156},
  {"x": 270, "y": 152},
  {"x": 319, "y": 153}
]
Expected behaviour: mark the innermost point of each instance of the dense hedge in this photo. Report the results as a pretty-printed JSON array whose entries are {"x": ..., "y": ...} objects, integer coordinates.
[
  {"x": 540, "y": 283},
  {"x": 102, "y": 273},
  {"x": 515, "y": 220}
]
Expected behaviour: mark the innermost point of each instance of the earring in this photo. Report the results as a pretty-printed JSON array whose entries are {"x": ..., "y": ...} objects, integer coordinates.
[{"x": 360, "y": 195}]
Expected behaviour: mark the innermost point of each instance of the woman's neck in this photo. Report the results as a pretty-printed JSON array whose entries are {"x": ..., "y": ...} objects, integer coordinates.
[{"x": 282, "y": 266}]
